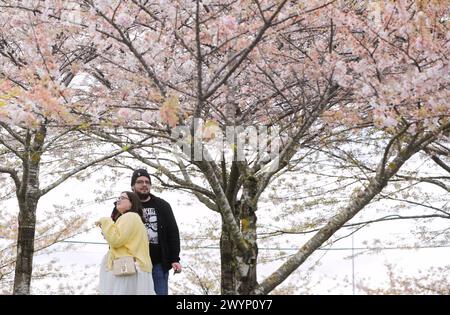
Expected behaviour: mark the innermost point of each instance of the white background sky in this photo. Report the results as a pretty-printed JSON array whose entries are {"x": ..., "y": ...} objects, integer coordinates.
[{"x": 335, "y": 265}]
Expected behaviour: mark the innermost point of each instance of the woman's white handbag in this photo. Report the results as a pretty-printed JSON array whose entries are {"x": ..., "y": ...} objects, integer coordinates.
[{"x": 124, "y": 266}]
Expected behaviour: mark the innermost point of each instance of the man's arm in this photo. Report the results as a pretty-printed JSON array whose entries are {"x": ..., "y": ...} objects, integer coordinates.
[{"x": 173, "y": 236}]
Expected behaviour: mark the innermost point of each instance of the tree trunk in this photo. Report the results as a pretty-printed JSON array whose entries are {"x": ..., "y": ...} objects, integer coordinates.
[
  {"x": 227, "y": 254},
  {"x": 247, "y": 262},
  {"x": 28, "y": 195},
  {"x": 238, "y": 270},
  {"x": 25, "y": 247}
]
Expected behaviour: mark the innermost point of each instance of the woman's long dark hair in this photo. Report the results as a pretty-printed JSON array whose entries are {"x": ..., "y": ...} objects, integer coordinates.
[{"x": 136, "y": 206}]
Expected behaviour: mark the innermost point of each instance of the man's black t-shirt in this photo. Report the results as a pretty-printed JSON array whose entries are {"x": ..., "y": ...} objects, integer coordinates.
[{"x": 151, "y": 223}]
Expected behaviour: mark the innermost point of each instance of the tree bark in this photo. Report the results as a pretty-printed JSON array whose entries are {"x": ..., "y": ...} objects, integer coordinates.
[
  {"x": 28, "y": 195},
  {"x": 227, "y": 265},
  {"x": 25, "y": 247},
  {"x": 238, "y": 269},
  {"x": 247, "y": 262}
]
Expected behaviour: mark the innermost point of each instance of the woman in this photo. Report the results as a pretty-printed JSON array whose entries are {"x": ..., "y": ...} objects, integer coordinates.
[{"x": 126, "y": 236}]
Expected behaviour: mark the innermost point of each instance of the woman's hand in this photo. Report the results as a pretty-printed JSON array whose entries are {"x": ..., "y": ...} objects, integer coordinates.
[{"x": 98, "y": 223}]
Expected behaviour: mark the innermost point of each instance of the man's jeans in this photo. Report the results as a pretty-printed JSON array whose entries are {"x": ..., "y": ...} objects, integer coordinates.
[{"x": 160, "y": 280}]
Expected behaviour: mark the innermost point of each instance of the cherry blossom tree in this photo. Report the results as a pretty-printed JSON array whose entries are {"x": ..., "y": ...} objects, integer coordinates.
[
  {"x": 328, "y": 74},
  {"x": 362, "y": 84},
  {"x": 40, "y": 143},
  {"x": 323, "y": 72}
]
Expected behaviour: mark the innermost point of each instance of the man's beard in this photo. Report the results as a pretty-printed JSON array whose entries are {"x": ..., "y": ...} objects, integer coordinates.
[{"x": 143, "y": 196}]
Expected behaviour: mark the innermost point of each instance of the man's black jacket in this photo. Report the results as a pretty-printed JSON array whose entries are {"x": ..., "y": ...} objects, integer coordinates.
[{"x": 168, "y": 234}]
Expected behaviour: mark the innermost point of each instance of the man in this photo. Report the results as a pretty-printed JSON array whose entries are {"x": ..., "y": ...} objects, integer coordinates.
[{"x": 162, "y": 232}]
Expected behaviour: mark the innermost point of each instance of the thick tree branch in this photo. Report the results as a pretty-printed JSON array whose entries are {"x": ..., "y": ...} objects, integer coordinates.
[
  {"x": 13, "y": 175},
  {"x": 358, "y": 201}
]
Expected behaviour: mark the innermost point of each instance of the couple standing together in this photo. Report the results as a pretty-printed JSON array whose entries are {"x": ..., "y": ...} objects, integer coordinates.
[{"x": 141, "y": 226}]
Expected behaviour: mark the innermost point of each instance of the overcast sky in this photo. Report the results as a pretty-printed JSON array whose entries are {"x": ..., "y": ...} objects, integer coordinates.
[{"x": 335, "y": 265}]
